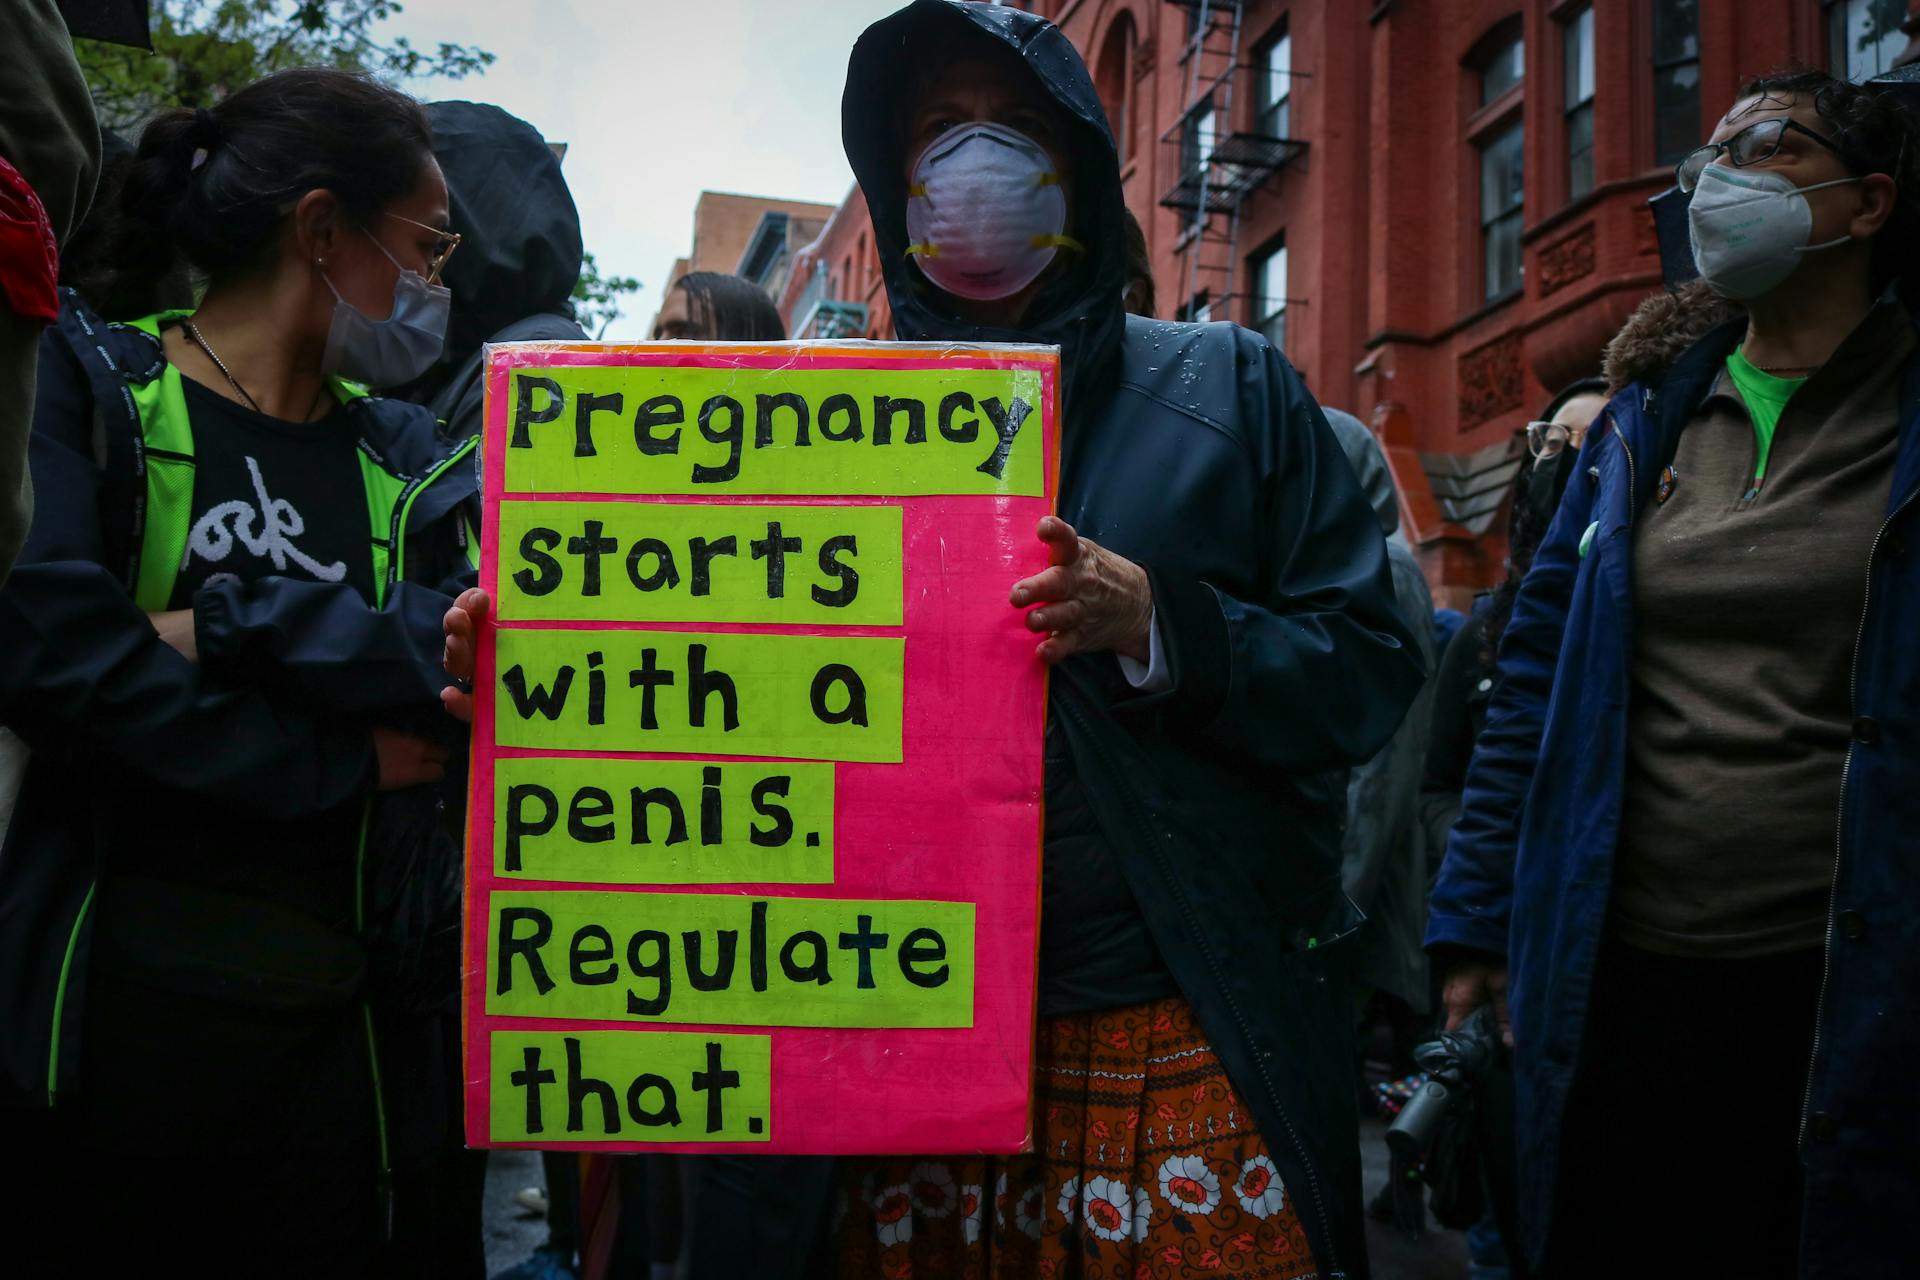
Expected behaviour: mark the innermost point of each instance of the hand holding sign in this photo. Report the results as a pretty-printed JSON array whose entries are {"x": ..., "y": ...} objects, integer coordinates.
[
  {"x": 462, "y": 625},
  {"x": 1091, "y": 598}
]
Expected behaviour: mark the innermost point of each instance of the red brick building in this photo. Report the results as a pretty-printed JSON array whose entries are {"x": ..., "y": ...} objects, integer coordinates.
[{"x": 1438, "y": 210}]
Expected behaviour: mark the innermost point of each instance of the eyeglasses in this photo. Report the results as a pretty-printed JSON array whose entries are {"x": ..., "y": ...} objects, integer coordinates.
[
  {"x": 1545, "y": 439},
  {"x": 1756, "y": 143},
  {"x": 442, "y": 249}
]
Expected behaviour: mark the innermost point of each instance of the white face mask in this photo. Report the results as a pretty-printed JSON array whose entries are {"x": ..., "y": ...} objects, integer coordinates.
[
  {"x": 1749, "y": 228},
  {"x": 387, "y": 353},
  {"x": 985, "y": 211}
]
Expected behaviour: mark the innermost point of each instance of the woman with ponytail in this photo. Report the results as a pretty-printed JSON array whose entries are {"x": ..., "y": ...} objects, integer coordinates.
[{"x": 228, "y": 891}]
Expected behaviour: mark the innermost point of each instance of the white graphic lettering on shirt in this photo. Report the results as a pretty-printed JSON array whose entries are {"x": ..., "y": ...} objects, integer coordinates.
[{"x": 267, "y": 532}]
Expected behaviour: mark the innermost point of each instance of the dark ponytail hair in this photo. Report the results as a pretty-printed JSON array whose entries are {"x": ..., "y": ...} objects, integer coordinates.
[
  {"x": 731, "y": 309},
  {"x": 213, "y": 186}
]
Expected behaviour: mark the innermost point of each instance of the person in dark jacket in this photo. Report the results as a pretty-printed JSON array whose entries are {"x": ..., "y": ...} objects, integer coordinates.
[
  {"x": 1464, "y": 681},
  {"x": 49, "y": 158},
  {"x": 1221, "y": 620},
  {"x": 1462, "y": 687},
  {"x": 512, "y": 281},
  {"x": 1691, "y": 827},
  {"x": 228, "y": 896},
  {"x": 520, "y": 256},
  {"x": 1383, "y": 865}
]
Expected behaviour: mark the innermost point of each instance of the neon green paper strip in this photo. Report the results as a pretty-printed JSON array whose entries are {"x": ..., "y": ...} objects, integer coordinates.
[
  {"x": 663, "y": 430},
  {"x": 793, "y": 697},
  {"x": 662, "y": 821},
  {"x": 730, "y": 959},
  {"x": 659, "y": 1086},
  {"x": 698, "y": 562}
]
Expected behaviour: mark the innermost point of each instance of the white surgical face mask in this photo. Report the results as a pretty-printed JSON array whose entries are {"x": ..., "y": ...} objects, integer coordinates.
[
  {"x": 1749, "y": 228},
  {"x": 387, "y": 353},
  {"x": 985, "y": 211}
]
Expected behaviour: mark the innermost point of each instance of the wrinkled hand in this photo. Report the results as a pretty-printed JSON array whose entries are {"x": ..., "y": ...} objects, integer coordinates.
[
  {"x": 407, "y": 760},
  {"x": 1090, "y": 599},
  {"x": 1472, "y": 983},
  {"x": 175, "y": 628},
  {"x": 462, "y": 626}
]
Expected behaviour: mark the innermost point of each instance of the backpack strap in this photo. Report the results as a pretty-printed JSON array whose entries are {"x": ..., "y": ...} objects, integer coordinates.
[
  {"x": 166, "y": 444},
  {"x": 113, "y": 362}
]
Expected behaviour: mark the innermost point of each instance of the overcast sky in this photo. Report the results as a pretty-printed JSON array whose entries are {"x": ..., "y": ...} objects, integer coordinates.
[{"x": 659, "y": 100}]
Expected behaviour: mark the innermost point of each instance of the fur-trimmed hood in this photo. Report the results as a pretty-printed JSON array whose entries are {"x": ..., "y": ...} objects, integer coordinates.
[{"x": 1659, "y": 330}]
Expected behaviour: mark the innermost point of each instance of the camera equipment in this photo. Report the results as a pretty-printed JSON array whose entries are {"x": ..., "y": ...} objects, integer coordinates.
[{"x": 1454, "y": 1064}]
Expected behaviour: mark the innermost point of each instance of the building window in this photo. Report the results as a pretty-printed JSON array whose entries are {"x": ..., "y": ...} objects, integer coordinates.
[
  {"x": 1501, "y": 197},
  {"x": 1578, "y": 37},
  {"x": 1676, "y": 79},
  {"x": 1275, "y": 86},
  {"x": 1270, "y": 296},
  {"x": 1198, "y": 309},
  {"x": 1503, "y": 69},
  {"x": 1865, "y": 35},
  {"x": 1113, "y": 80},
  {"x": 1198, "y": 138}
]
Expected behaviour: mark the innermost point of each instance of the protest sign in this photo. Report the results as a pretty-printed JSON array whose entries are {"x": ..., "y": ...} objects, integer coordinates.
[{"x": 754, "y": 815}]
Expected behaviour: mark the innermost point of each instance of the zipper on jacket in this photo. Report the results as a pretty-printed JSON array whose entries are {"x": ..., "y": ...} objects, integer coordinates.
[
  {"x": 397, "y": 555},
  {"x": 1840, "y": 819},
  {"x": 1330, "y": 1264},
  {"x": 60, "y": 992},
  {"x": 384, "y": 1183},
  {"x": 1633, "y": 482}
]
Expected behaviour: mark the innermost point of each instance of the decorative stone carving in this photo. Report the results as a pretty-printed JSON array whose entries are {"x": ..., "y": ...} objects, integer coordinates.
[
  {"x": 1566, "y": 260},
  {"x": 1493, "y": 380}
]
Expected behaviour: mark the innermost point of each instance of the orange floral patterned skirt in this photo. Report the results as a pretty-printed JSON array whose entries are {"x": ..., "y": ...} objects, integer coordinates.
[{"x": 1146, "y": 1166}]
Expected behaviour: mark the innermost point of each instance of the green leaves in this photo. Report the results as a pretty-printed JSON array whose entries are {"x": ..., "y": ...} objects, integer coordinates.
[
  {"x": 596, "y": 298},
  {"x": 204, "y": 49}
]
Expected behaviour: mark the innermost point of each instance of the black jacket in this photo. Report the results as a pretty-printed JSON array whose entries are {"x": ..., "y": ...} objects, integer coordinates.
[
  {"x": 1196, "y": 451},
  {"x": 519, "y": 259},
  {"x": 272, "y": 724}
]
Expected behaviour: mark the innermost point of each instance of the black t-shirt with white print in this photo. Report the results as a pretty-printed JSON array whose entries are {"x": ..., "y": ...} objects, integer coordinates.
[{"x": 272, "y": 497}]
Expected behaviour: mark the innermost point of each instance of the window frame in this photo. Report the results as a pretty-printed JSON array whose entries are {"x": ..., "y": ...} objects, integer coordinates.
[
  {"x": 1840, "y": 50},
  {"x": 1578, "y": 162},
  {"x": 1511, "y": 131},
  {"x": 1659, "y": 67},
  {"x": 1490, "y": 122},
  {"x": 1266, "y": 109},
  {"x": 1263, "y": 314}
]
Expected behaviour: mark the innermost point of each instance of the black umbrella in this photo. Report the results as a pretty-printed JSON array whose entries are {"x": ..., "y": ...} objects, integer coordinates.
[{"x": 115, "y": 21}]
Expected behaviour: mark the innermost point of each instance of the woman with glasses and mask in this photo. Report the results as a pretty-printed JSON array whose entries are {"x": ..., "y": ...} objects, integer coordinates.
[
  {"x": 228, "y": 894},
  {"x": 1690, "y": 842}
]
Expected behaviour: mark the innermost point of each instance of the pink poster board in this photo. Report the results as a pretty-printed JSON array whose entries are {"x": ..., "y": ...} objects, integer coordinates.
[{"x": 755, "y": 807}]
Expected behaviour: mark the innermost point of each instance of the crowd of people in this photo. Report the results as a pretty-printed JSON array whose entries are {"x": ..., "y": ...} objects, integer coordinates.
[{"x": 1644, "y": 827}]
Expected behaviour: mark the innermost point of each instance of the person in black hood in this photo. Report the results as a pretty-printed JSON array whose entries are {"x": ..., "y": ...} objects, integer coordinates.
[
  {"x": 1222, "y": 623},
  {"x": 520, "y": 256},
  {"x": 1221, "y": 620}
]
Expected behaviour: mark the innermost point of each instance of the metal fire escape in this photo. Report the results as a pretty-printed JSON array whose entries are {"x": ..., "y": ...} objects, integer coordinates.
[{"x": 1216, "y": 165}]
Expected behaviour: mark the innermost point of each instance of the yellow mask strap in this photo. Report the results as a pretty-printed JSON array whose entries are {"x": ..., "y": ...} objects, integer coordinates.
[{"x": 1058, "y": 242}]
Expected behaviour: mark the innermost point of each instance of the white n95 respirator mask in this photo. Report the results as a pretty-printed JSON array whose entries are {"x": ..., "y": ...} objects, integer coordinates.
[
  {"x": 1749, "y": 228},
  {"x": 985, "y": 212}
]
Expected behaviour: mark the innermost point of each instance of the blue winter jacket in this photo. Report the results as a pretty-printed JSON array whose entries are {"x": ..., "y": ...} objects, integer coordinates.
[{"x": 1529, "y": 868}]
